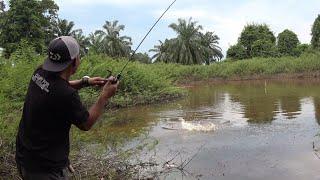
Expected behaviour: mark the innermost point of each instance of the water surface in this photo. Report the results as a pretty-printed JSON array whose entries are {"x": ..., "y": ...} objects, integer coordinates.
[{"x": 264, "y": 130}]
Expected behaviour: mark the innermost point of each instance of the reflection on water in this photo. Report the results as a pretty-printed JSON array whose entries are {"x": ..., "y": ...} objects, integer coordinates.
[
  {"x": 259, "y": 102},
  {"x": 239, "y": 103},
  {"x": 264, "y": 130}
]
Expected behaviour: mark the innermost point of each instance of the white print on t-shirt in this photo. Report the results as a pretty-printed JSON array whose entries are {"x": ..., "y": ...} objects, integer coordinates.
[{"x": 41, "y": 82}]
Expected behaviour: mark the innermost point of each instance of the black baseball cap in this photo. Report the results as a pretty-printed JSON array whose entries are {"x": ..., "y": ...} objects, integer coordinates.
[{"x": 61, "y": 53}]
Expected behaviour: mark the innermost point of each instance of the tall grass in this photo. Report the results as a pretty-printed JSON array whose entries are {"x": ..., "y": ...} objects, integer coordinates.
[{"x": 243, "y": 68}]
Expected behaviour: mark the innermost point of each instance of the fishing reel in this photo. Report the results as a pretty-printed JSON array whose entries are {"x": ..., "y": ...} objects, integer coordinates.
[{"x": 118, "y": 77}]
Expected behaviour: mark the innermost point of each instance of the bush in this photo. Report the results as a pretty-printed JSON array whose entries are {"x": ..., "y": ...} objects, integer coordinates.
[{"x": 237, "y": 52}]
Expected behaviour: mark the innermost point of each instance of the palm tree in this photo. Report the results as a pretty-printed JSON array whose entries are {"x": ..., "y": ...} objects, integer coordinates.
[
  {"x": 187, "y": 46},
  {"x": 96, "y": 41},
  {"x": 64, "y": 28},
  {"x": 82, "y": 40},
  {"x": 212, "y": 52},
  {"x": 162, "y": 52},
  {"x": 114, "y": 44}
]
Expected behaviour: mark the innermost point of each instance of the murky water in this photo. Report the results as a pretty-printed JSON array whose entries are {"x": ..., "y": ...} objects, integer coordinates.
[{"x": 260, "y": 130}]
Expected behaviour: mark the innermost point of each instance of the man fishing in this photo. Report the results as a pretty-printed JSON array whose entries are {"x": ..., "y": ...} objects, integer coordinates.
[{"x": 51, "y": 106}]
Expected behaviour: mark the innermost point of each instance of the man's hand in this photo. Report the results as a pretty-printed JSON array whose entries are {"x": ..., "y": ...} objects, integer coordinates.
[
  {"x": 97, "y": 81},
  {"x": 110, "y": 88}
]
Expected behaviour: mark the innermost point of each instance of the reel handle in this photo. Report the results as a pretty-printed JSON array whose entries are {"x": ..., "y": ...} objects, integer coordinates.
[{"x": 110, "y": 74}]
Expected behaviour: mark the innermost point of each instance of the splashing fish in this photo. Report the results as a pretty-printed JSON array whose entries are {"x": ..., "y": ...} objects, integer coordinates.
[{"x": 191, "y": 126}]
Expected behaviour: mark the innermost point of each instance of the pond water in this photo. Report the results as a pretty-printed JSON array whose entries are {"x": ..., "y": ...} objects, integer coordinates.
[{"x": 238, "y": 130}]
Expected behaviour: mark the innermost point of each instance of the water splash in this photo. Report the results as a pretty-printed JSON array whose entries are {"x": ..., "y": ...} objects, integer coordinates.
[{"x": 192, "y": 126}]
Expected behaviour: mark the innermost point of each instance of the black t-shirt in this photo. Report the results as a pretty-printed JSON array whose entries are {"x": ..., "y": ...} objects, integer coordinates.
[{"x": 50, "y": 107}]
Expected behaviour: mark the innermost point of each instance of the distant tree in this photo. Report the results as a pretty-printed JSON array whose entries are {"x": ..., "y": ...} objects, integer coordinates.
[
  {"x": 315, "y": 41},
  {"x": 28, "y": 20},
  {"x": 264, "y": 48},
  {"x": 2, "y": 16},
  {"x": 287, "y": 43},
  {"x": 302, "y": 48},
  {"x": 237, "y": 52},
  {"x": 96, "y": 42},
  {"x": 255, "y": 32},
  {"x": 187, "y": 47},
  {"x": 83, "y": 41},
  {"x": 142, "y": 57},
  {"x": 162, "y": 52},
  {"x": 64, "y": 28},
  {"x": 190, "y": 46},
  {"x": 114, "y": 44},
  {"x": 212, "y": 52},
  {"x": 2, "y": 6},
  {"x": 50, "y": 12}
]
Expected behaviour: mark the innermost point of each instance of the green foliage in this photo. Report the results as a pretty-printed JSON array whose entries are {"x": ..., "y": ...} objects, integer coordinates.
[
  {"x": 315, "y": 32},
  {"x": 82, "y": 40},
  {"x": 287, "y": 43},
  {"x": 2, "y": 14},
  {"x": 256, "y": 32},
  {"x": 162, "y": 51},
  {"x": 139, "y": 84},
  {"x": 264, "y": 48},
  {"x": 303, "y": 48},
  {"x": 237, "y": 52},
  {"x": 110, "y": 42},
  {"x": 63, "y": 28},
  {"x": 190, "y": 47},
  {"x": 142, "y": 57},
  {"x": 211, "y": 51},
  {"x": 26, "y": 19}
]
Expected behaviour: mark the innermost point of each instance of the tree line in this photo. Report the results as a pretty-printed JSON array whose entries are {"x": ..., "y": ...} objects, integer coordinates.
[
  {"x": 257, "y": 40},
  {"x": 36, "y": 22}
]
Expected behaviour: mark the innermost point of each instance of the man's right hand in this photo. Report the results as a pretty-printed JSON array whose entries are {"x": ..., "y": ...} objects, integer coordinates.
[{"x": 110, "y": 88}]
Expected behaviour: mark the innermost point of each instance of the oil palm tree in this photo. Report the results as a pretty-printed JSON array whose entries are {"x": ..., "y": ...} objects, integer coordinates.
[
  {"x": 187, "y": 46},
  {"x": 212, "y": 52},
  {"x": 82, "y": 40},
  {"x": 63, "y": 28},
  {"x": 162, "y": 52},
  {"x": 114, "y": 44},
  {"x": 96, "y": 42}
]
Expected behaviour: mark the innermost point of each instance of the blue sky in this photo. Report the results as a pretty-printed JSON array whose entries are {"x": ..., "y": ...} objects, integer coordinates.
[{"x": 225, "y": 17}]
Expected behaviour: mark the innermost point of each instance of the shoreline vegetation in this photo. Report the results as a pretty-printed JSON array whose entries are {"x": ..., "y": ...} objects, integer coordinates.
[{"x": 141, "y": 84}]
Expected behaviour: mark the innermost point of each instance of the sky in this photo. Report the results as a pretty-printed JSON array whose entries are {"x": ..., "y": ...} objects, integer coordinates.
[{"x": 225, "y": 17}]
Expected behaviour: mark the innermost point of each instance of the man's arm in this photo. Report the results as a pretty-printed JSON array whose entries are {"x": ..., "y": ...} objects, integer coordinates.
[
  {"x": 76, "y": 84},
  {"x": 95, "y": 81},
  {"x": 97, "y": 108}
]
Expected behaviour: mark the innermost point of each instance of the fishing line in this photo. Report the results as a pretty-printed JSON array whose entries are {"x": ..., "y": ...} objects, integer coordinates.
[{"x": 134, "y": 52}]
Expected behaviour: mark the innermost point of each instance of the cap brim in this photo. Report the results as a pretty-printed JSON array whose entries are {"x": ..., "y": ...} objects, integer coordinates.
[{"x": 48, "y": 65}]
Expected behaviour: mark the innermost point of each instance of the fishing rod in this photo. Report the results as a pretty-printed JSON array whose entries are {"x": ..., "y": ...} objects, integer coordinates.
[{"x": 134, "y": 52}]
